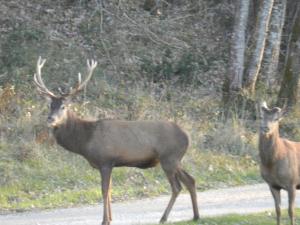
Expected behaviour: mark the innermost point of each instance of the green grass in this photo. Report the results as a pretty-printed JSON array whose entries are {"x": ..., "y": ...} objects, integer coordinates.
[
  {"x": 266, "y": 218},
  {"x": 57, "y": 178}
]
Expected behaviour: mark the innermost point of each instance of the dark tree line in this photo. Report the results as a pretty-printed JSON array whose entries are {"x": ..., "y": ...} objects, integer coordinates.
[{"x": 265, "y": 53}]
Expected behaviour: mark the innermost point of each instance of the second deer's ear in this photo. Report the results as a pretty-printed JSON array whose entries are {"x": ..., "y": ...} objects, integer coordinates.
[
  {"x": 283, "y": 112},
  {"x": 262, "y": 107}
]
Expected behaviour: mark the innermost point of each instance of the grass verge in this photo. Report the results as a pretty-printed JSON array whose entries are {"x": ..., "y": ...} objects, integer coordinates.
[
  {"x": 266, "y": 218},
  {"x": 62, "y": 179}
]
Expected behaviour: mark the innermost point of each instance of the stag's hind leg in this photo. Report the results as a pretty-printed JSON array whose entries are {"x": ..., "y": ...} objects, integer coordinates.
[
  {"x": 170, "y": 172},
  {"x": 190, "y": 184}
]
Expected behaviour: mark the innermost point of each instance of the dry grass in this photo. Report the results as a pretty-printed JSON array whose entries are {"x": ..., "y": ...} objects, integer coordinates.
[{"x": 35, "y": 173}]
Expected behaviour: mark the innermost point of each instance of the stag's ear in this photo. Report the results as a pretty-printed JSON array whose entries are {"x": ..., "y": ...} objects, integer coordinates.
[
  {"x": 67, "y": 100},
  {"x": 48, "y": 99}
]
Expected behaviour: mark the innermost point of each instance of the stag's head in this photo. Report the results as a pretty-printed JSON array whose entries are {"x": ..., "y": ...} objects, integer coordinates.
[
  {"x": 58, "y": 104},
  {"x": 269, "y": 118}
]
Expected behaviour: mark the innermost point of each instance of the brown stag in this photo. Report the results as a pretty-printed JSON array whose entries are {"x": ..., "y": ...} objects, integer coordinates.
[
  {"x": 115, "y": 143},
  {"x": 280, "y": 159}
]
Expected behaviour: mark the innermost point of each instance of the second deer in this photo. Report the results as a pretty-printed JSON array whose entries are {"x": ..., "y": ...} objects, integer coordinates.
[
  {"x": 114, "y": 143},
  {"x": 280, "y": 159}
]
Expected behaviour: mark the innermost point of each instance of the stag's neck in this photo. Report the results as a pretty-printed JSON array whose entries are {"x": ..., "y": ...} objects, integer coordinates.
[
  {"x": 74, "y": 134},
  {"x": 268, "y": 147}
]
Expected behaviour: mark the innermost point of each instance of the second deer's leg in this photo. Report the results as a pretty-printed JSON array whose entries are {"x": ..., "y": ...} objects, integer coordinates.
[
  {"x": 190, "y": 184},
  {"x": 176, "y": 188},
  {"x": 292, "y": 195},
  {"x": 105, "y": 183},
  {"x": 277, "y": 200}
]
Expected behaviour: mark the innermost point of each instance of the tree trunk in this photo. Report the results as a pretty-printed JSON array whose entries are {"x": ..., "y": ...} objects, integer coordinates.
[
  {"x": 292, "y": 8},
  {"x": 233, "y": 81},
  {"x": 238, "y": 46},
  {"x": 289, "y": 86},
  {"x": 261, "y": 33},
  {"x": 271, "y": 54}
]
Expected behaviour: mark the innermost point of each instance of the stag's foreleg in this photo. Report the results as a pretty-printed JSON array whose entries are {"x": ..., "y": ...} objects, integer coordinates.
[
  {"x": 109, "y": 201},
  {"x": 190, "y": 184},
  {"x": 292, "y": 196},
  {"x": 105, "y": 183},
  {"x": 170, "y": 172},
  {"x": 277, "y": 200}
]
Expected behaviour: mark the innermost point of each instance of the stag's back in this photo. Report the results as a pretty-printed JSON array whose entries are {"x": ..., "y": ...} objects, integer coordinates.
[{"x": 137, "y": 143}]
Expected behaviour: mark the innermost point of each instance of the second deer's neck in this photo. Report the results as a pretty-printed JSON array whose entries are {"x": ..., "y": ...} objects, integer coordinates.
[{"x": 268, "y": 147}]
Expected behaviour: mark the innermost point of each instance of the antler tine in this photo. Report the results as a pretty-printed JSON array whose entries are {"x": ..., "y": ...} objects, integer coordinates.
[
  {"x": 39, "y": 87},
  {"x": 38, "y": 79},
  {"x": 79, "y": 78},
  {"x": 91, "y": 65}
]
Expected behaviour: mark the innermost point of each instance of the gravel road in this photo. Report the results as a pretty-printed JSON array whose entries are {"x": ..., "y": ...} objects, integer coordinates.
[{"x": 244, "y": 199}]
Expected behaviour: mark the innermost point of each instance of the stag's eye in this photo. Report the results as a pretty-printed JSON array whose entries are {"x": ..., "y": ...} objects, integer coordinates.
[{"x": 62, "y": 107}]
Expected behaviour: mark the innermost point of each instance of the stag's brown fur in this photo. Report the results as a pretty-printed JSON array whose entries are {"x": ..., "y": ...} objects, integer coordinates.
[
  {"x": 280, "y": 159},
  {"x": 140, "y": 144},
  {"x": 114, "y": 143}
]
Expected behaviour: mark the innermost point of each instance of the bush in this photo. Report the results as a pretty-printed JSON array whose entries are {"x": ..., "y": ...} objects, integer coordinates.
[
  {"x": 17, "y": 51},
  {"x": 183, "y": 70},
  {"x": 232, "y": 137}
]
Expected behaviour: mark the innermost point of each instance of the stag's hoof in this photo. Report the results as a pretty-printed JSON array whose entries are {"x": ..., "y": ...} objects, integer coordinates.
[{"x": 105, "y": 223}]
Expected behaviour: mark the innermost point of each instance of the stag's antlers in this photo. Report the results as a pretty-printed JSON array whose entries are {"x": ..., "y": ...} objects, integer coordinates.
[
  {"x": 44, "y": 90},
  {"x": 91, "y": 66},
  {"x": 38, "y": 79}
]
